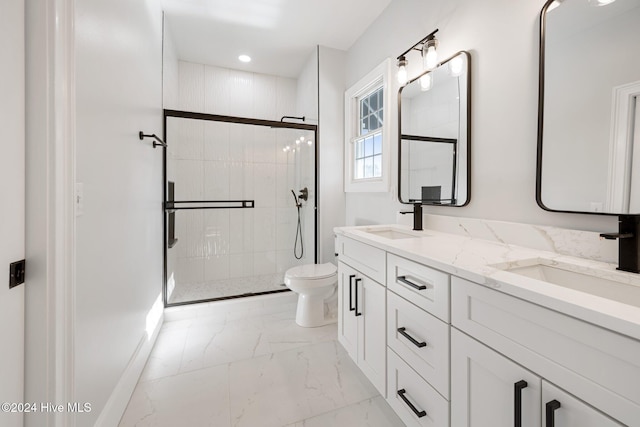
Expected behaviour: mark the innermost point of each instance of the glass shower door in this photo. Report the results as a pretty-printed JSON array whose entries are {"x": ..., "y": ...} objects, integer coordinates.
[{"x": 238, "y": 219}]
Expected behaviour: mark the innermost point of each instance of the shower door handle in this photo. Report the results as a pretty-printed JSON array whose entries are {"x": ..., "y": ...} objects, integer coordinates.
[
  {"x": 356, "y": 302},
  {"x": 351, "y": 306}
]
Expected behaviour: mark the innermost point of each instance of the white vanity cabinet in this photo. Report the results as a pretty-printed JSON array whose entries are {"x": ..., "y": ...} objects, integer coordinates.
[
  {"x": 361, "y": 309},
  {"x": 454, "y": 353},
  {"x": 418, "y": 342},
  {"x": 549, "y": 350},
  {"x": 490, "y": 390}
]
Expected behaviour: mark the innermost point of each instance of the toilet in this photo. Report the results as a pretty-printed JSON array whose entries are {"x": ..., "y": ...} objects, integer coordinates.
[{"x": 314, "y": 284}]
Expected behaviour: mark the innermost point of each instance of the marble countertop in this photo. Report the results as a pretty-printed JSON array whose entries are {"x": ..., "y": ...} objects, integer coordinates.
[{"x": 484, "y": 262}]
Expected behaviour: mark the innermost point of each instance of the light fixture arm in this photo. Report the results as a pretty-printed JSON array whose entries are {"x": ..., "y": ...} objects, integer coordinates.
[{"x": 421, "y": 42}]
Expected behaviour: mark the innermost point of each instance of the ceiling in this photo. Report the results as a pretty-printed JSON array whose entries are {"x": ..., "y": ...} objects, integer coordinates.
[{"x": 279, "y": 35}]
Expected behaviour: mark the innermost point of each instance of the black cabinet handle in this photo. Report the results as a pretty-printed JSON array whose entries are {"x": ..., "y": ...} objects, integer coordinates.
[
  {"x": 356, "y": 304},
  {"x": 410, "y": 338},
  {"x": 551, "y": 409},
  {"x": 351, "y": 307},
  {"x": 517, "y": 402},
  {"x": 404, "y": 280},
  {"x": 419, "y": 414}
]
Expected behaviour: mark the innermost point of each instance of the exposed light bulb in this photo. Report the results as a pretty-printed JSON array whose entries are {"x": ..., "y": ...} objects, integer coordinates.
[
  {"x": 456, "y": 66},
  {"x": 431, "y": 59},
  {"x": 430, "y": 54},
  {"x": 309, "y": 142},
  {"x": 426, "y": 82},
  {"x": 244, "y": 58},
  {"x": 298, "y": 141},
  {"x": 402, "y": 71},
  {"x": 302, "y": 139},
  {"x": 293, "y": 151}
]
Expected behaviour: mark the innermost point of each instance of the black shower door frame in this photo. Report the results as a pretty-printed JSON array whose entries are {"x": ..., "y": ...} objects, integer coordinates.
[{"x": 168, "y": 206}]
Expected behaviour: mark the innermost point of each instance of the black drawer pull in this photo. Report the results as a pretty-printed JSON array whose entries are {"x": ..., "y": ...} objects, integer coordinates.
[
  {"x": 404, "y": 280},
  {"x": 351, "y": 307},
  {"x": 517, "y": 402},
  {"x": 551, "y": 409},
  {"x": 356, "y": 304},
  {"x": 410, "y": 338},
  {"x": 419, "y": 414}
]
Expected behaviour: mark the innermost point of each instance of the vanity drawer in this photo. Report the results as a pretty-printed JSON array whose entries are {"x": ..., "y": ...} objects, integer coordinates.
[
  {"x": 420, "y": 339},
  {"x": 367, "y": 259},
  {"x": 417, "y": 392},
  {"x": 598, "y": 366},
  {"x": 424, "y": 286}
]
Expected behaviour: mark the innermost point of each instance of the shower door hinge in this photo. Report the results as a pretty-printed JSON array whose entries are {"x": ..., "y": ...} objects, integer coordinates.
[{"x": 16, "y": 273}]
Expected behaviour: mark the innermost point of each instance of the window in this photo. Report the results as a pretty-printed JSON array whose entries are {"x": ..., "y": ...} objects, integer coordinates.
[
  {"x": 366, "y": 134},
  {"x": 368, "y": 142}
]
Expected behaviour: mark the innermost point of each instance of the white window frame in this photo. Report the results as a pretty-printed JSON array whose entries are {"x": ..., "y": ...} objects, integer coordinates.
[{"x": 381, "y": 75}]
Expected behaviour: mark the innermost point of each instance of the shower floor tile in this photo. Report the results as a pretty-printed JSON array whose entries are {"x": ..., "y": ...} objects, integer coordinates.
[
  {"x": 258, "y": 370},
  {"x": 186, "y": 292}
]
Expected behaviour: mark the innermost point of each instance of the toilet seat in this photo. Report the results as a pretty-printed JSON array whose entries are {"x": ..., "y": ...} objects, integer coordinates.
[{"x": 312, "y": 271}]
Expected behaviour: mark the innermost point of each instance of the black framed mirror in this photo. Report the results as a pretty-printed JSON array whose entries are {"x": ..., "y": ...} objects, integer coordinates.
[
  {"x": 588, "y": 158},
  {"x": 434, "y": 135}
]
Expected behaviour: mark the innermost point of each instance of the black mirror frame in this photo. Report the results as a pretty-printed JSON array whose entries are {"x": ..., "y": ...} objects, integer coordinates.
[
  {"x": 541, "y": 120},
  {"x": 468, "y": 165}
]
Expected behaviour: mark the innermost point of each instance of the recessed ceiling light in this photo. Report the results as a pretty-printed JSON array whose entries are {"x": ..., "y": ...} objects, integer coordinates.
[{"x": 244, "y": 58}]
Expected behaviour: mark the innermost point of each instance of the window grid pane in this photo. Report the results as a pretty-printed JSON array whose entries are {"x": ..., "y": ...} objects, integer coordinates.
[
  {"x": 368, "y": 156},
  {"x": 371, "y": 112}
]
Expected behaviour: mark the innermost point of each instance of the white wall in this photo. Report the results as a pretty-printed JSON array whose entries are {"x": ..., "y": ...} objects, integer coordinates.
[
  {"x": 170, "y": 71},
  {"x": 119, "y": 236},
  {"x": 331, "y": 129},
  {"x": 502, "y": 36},
  {"x": 12, "y": 193}
]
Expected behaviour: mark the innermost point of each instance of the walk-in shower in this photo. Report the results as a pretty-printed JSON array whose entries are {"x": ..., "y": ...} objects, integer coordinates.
[{"x": 231, "y": 227}]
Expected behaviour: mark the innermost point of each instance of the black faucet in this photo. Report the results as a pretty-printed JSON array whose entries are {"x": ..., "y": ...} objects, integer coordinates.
[
  {"x": 628, "y": 242},
  {"x": 417, "y": 216}
]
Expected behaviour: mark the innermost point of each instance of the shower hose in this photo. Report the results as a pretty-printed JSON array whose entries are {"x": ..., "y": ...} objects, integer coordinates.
[{"x": 298, "y": 230}]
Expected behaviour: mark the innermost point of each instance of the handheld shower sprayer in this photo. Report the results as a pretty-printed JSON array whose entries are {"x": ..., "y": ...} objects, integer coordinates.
[
  {"x": 304, "y": 195},
  {"x": 298, "y": 204}
]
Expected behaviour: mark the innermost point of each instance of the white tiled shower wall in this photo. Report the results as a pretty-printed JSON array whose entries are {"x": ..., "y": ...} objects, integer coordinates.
[{"x": 227, "y": 161}]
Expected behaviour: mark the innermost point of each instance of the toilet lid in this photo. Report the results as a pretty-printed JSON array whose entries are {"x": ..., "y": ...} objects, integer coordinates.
[{"x": 312, "y": 271}]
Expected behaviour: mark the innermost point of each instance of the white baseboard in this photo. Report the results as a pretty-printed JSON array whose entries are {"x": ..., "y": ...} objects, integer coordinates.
[{"x": 119, "y": 399}]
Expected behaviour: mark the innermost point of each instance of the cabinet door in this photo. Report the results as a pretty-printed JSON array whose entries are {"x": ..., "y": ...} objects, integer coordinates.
[
  {"x": 485, "y": 387},
  {"x": 564, "y": 410},
  {"x": 371, "y": 311},
  {"x": 347, "y": 321}
]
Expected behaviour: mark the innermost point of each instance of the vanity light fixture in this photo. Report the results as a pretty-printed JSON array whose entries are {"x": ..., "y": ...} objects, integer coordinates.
[
  {"x": 244, "y": 58},
  {"x": 402, "y": 70},
  {"x": 428, "y": 49},
  {"x": 600, "y": 2},
  {"x": 429, "y": 53}
]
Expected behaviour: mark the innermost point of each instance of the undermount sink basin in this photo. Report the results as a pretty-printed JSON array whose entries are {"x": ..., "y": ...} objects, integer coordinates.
[
  {"x": 622, "y": 289},
  {"x": 392, "y": 233}
]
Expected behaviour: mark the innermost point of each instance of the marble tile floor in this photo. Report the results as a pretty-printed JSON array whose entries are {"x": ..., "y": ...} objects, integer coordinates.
[
  {"x": 258, "y": 369},
  {"x": 184, "y": 292}
]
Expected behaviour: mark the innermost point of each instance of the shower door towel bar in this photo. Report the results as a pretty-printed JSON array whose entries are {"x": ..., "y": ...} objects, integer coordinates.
[{"x": 216, "y": 204}]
